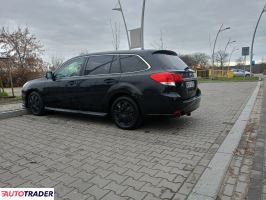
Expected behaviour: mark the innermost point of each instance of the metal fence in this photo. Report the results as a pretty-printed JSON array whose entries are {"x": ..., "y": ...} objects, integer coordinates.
[{"x": 215, "y": 73}]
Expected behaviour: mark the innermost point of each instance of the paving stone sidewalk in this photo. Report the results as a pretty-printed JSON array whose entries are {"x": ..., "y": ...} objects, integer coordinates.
[
  {"x": 244, "y": 178},
  {"x": 12, "y": 104},
  {"x": 257, "y": 187},
  {"x": 10, "y": 107},
  {"x": 89, "y": 158}
]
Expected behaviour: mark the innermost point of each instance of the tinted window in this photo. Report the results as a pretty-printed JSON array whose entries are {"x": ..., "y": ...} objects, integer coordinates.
[
  {"x": 170, "y": 62},
  {"x": 70, "y": 68},
  {"x": 132, "y": 63},
  {"x": 115, "y": 66},
  {"x": 98, "y": 65}
]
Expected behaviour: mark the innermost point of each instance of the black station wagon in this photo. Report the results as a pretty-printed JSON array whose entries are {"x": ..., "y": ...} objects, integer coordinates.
[{"x": 128, "y": 85}]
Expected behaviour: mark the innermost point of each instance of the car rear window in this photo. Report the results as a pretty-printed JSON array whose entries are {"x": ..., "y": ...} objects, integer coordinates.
[
  {"x": 169, "y": 61},
  {"x": 132, "y": 63}
]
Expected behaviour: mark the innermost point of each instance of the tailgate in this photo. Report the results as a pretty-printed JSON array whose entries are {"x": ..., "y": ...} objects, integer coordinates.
[{"x": 188, "y": 87}]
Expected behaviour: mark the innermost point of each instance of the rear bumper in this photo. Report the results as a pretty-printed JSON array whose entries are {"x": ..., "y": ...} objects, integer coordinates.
[
  {"x": 190, "y": 105},
  {"x": 171, "y": 104}
]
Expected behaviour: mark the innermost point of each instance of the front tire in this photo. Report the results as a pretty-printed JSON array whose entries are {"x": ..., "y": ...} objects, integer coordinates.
[
  {"x": 35, "y": 104},
  {"x": 126, "y": 113}
]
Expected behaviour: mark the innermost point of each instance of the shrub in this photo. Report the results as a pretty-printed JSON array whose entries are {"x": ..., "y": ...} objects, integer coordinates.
[{"x": 3, "y": 94}]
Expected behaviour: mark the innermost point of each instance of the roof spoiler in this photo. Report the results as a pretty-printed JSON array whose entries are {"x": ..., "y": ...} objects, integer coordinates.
[{"x": 167, "y": 52}]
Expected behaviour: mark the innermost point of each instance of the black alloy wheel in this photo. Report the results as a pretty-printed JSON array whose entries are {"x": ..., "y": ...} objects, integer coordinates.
[
  {"x": 35, "y": 104},
  {"x": 125, "y": 113}
]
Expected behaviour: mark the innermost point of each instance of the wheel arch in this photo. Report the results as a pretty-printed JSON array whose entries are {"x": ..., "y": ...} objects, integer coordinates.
[
  {"x": 124, "y": 93},
  {"x": 28, "y": 93}
]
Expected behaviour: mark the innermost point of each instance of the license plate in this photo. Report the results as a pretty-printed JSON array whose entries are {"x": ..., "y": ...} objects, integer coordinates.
[{"x": 190, "y": 84}]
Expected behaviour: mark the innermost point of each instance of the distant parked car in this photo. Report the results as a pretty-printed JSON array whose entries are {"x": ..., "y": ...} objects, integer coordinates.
[{"x": 241, "y": 73}]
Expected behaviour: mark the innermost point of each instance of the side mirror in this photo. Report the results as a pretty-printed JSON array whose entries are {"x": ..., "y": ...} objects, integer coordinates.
[{"x": 50, "y": 75}]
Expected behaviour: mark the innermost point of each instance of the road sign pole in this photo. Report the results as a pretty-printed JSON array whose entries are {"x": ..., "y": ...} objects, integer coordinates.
[
  {"x": 142, "y": 24},
  {"x": 245, "y": 63}
]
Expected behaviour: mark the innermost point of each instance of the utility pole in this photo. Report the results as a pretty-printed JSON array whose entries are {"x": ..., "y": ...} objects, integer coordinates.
[
  {"x": 142, "y": 24},
  {"x": 253, "y": 39}
]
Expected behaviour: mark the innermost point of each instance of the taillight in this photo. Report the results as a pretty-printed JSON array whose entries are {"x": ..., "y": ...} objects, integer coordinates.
[{"x": 166, "y": 78}]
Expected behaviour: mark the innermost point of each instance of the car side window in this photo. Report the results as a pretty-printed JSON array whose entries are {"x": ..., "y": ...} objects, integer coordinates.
[
  {"x": 71, "y": 68},
  {"x": 115, "y": 66},
  {"x": 98, "y": 65},
  {"x": 132, "y": 63}
]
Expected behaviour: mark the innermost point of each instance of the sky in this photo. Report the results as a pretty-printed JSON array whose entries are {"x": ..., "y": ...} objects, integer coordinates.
[{"x": 68, "y": 27}]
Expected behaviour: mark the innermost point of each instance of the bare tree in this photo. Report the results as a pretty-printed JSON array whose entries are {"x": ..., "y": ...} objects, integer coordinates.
[
  {"x": 263, "y": 60},
  {"x": 84, "y": 52},
  {"x": 20, "y": 45},
  {"x": 2, "y": 72},
  {"x": 201, "y": 60},
  {"x": 116, "y": 30},
  {"x": 161, "y": 39},
  {"x": 240, "y": 61},
  {"x": 24, "y": 52},
  {"x": 160, "y": 44},
  {"x": 56, "y": 62},
  {"x": 210, "y": 44},
  {"x": 196, "y": 60},
  {"x": 220, "y": 57},
  {"x": 188, "y": 59}
]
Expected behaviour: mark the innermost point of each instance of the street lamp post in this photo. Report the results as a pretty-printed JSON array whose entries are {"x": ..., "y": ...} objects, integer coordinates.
[
  {"x": 142, "y": 24},
  {"x": 233, "y": 50},
  {"x": 228, "y": 43},
  {"x": 220, "y": 30},
  {"x": 253, "y": 39},
  {"x": 120, "y": 9}
]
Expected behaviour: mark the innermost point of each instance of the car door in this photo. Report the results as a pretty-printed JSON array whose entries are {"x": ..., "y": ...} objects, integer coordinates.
[
  {"x": 62, "y": 92},
  {"x": 102, "y": 72}
]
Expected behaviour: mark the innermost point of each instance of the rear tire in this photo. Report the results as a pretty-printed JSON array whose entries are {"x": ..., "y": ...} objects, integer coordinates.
[
  {"x": 35, "y": 104},
  {"x": 125, "y": 113}
]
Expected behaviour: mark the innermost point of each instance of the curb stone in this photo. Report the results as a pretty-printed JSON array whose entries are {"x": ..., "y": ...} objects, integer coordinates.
[
  {"x": 13, "y": 113},
  {"x": 209, "y": 183}
]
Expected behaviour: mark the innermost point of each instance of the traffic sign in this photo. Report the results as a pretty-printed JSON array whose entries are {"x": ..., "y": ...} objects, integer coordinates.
[
  {"x": 135, "y": 38},
  {"x": 245, "y": 51}
]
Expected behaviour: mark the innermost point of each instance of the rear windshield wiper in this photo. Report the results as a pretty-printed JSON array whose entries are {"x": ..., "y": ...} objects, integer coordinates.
[{"x": 187, "y": 68}]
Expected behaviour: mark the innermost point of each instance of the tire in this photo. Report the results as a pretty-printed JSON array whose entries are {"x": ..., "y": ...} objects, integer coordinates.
[
  {"x": 125, "y": 113},
  {"x": 35, "y": 104},
  {"x": 247, "y": 75}
]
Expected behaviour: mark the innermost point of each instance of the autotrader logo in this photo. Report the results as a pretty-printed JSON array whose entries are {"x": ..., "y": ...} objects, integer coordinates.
[{"x": 26, "y": 193}]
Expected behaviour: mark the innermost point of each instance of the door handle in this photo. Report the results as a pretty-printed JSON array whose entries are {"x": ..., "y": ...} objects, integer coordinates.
[
  {"x": 110, "y": 81},
  {"x": 71, "y": 83}
]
